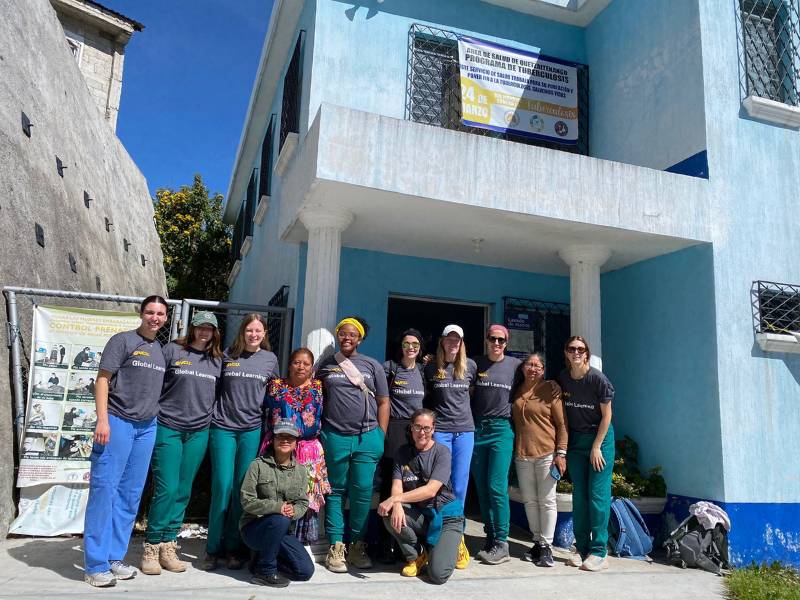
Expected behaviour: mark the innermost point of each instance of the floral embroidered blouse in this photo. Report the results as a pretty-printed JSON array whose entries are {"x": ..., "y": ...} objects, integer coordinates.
[{"x": 302, "y": 406}]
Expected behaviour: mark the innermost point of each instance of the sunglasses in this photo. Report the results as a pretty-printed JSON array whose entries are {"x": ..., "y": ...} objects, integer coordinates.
[
  {"x": 420, "y": 429},
  {"x": 576, "y": 350},
  {"x": 496, "y": 340},
  {"x": 410, "y": 345}
]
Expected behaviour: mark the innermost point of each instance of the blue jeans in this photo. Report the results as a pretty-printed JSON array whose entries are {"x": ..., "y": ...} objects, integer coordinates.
[
  {"x": 119, "y": 470},
  {"x": 277, "y": 548},
  {"x": 460, "y": 446}
]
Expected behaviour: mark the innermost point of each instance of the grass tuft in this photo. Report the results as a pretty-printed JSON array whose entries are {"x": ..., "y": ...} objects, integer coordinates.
[{"x": 764, "y": 582}]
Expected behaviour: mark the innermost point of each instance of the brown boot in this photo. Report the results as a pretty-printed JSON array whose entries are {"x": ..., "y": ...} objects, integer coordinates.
[
  {"x": 150, "y": 564},
  {"x": 169, "y": 557}
]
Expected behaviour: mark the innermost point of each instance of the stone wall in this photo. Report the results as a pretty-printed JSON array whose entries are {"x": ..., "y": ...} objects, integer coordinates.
[{"x": 40, "y": 77}]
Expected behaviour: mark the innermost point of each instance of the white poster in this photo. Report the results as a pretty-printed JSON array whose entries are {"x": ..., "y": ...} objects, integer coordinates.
[{"x": 513, "y": 91}]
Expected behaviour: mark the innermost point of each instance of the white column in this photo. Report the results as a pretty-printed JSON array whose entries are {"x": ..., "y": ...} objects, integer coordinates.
[
  {"x": 584, "y": 294},
  {"x": 325, "y": 226}
]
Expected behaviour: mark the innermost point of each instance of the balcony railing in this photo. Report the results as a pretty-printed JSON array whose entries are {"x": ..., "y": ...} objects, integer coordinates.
[
  {"x": 776, "y": 307},
  {"x": 433, "y": 89}
]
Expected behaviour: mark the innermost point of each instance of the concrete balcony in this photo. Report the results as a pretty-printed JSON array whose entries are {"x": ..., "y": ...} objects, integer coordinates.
[{"x": 428, "y": 191}]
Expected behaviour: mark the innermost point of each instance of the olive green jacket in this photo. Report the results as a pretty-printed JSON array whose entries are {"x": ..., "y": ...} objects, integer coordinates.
[{"x": 267, "y": 485}]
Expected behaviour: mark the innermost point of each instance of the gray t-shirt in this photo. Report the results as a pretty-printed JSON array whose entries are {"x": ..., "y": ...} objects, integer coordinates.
[
  {"x": 406, "y": 389},
  {"x": 415, "y": 469},
  {"x": 137, "y": 369},
  {"x": 582, "y": 399},
  {"x": 243, "y": 389},
  {"x": 450, "y": 398},
  {"x": 491, "y": 396},
  {"x": 346, "y": 410},
  {"x": 190, "y": 388}
]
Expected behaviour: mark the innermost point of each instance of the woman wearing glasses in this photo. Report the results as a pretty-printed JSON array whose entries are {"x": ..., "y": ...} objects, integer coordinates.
[
  {"x": 494, "y": 441},
  {"x": 587, "y": 396},
  {"x": 423, "y": 513},
  {"x": 406, "y": 392}
]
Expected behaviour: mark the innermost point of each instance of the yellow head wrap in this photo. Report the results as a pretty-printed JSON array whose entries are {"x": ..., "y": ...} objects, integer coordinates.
[{"x": 353, "y": 322}]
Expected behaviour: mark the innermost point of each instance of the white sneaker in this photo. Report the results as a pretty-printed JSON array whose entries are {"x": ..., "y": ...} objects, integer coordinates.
[
  {"x": 594, "y": 563},
  {"x": 575, "y": 560},
  {"x": 104, "y": 579},
  {"x": 122, "y": 571}
]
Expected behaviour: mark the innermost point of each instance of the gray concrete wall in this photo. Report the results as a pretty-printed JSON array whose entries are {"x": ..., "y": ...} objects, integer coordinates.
[{"x": 39, "y": 76}]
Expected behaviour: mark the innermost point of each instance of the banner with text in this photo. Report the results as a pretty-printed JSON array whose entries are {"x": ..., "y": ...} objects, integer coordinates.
[{"x": 513, "y": 91}]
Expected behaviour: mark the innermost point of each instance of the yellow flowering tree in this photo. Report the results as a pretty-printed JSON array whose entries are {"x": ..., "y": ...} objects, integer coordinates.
[{"x": 195, "y": 242}]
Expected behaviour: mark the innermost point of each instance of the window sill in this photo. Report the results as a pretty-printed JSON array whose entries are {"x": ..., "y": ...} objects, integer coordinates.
[
  {"x": 286, "y": 153},
  {"x": 237, "y": 266},
  {"x": 261, "y": 211},
  {"x": 772, "y": 111},
  {"x": 779, "y": 342},
  {"x": 246, "y": 245}
]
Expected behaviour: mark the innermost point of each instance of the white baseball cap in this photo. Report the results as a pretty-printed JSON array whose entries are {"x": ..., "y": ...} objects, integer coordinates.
[{"x": 453, "y": 329}]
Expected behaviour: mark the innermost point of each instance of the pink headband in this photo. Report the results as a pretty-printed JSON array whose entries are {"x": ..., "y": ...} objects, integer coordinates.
[{"x": 498, "y": 327}]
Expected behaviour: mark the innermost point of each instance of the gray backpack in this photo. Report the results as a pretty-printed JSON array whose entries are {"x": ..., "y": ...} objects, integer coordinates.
[{"x": 692, "y": 545}]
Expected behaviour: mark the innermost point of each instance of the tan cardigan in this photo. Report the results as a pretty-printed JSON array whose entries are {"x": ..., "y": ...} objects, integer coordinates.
[{"x": 539, "y": 422}]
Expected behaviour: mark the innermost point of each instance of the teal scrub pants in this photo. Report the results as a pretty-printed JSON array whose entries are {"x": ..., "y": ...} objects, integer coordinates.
[
  {"x": 491, "y": 461},
  {"x": 231, "y": 455},
  {"x": 591, "y": 492},
  {"x": 351, "y": 462},
  {"x": 176, "y": 459}
]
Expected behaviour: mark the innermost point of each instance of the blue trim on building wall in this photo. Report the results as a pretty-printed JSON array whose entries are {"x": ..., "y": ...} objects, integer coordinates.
[{"x": 695, "y": 166}]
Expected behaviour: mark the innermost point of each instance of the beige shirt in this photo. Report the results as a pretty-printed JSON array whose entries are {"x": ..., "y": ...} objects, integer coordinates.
[{"x": 539, "y": 421}]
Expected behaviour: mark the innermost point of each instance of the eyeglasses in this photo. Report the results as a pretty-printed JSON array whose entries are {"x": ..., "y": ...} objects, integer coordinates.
[
  {"x": 347, "y": 336},
  {"x": 496, "y": 340},
  {"x": 579, "y": 350},
  {"x": 410, "y": 345},
  {"x": 534, "y": 367},
  {"x": 420, "y": 429}
]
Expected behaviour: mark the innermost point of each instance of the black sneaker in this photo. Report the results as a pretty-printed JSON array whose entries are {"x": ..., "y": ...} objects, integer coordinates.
[
  {"x": 497, "y": 554},
  {"x": 533, "y": 554},
  {"x": 545, "y": 557},
  {"x": 275, "y": 580},
  {"x": 483, "y": 553}
]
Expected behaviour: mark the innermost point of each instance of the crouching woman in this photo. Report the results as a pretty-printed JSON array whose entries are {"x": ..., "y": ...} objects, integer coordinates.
[
  {"x": 423, "y": 513},
  {"x": 275, "y": 495}
]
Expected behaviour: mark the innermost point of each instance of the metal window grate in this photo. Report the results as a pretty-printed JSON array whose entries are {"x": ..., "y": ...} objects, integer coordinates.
[
  {"x": 433, "y": 89},
  {"x": 292, "y": 91},
  {"x": 776, "y": 307},
  {"x": 769, "y": 49},
  {"x": 265, "y": 179}
]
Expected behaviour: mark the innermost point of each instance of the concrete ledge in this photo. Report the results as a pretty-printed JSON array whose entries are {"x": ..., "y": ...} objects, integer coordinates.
[
  {"x": 287, "y": 151},
  {"x": 237, "y": 266},
  {"x": 779, "y": 342},
  {"x": 246, "y": 245},
  {"x": 261, "y": 211},
  {"x": 772, "y": 111}
]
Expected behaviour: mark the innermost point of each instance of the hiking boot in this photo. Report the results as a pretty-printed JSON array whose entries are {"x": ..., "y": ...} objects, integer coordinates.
[
  {"x": 122, "y": 571},
  {"x": 150, "y": 564},
  {"x": 209, "y": 562},
  {"x": 357, "y": 556},
  {"x": 334, "y": 561},
  {"x": 413, "y": 568},
  {"x": 234, "y": 563},
  {"x": 533, "y": 554},
  {"x": 545, "y": 557},
  {"x": 594, "y": 563},
  {"x": 487, "y": 545},
  {"x": 462, "y": 559},
  {"x": 103, "y": 579},
  {"x": 275, "y": 580},
  {"x": 497, "y": 554},
  {"x": 168, "y": 557}
]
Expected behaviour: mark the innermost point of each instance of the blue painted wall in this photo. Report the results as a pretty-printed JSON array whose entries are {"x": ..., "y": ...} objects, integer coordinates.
[{"x": 659, "y": 350}]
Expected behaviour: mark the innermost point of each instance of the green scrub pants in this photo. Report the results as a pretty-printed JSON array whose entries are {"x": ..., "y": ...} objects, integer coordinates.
[
  {"x": 231, "y": 455},
  {"x": 176, "y": 458},
  {"x": 351, "y": 462},
  {"x": 591, "y": 492},
  {"x": 491, "y": 461}
]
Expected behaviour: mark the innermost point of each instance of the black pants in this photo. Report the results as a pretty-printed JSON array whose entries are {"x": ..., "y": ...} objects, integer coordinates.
[{"x": 277, "y": 548}]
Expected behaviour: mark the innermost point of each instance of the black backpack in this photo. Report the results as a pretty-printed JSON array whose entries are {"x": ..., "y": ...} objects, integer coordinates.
[{"x": 692, "y": 545}]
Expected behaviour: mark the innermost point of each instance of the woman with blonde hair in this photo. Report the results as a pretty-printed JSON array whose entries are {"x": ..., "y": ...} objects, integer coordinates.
[
  {"x": 247, "y": 368},
  {"x": 448, "y": 381}
]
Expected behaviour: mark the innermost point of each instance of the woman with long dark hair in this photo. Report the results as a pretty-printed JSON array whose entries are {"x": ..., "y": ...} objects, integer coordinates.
[
  {"x": 127, "y": 390},
  {"x": 193, "y": 365},
  {"x": 587, "y": 396},
  {"x": 235, "y": 433}
]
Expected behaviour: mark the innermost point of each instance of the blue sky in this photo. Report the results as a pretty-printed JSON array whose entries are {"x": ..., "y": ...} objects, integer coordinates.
[{"x": 186, "y": 85}]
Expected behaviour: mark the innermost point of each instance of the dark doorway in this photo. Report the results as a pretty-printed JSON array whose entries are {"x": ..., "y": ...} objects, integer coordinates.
[{"x": 430, "y": 317}]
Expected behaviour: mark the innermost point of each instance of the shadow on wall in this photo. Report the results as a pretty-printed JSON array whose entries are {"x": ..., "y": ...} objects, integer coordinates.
[
  {"x": 792, "y": 361},
  {"x": 371, "y": 6}
]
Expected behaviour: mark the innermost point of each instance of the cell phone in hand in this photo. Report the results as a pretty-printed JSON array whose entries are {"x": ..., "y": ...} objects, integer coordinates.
[{"x": 554, "y": 472}]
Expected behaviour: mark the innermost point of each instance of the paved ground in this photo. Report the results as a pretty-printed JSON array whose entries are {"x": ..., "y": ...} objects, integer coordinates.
[{"x": 41, "y": 568}]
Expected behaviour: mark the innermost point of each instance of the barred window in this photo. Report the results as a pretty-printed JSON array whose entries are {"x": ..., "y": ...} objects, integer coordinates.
[
  {"x": 265, "y": 179},
  {"x": 776, "y": 307},
  {"x": 292, "y": 92},
  {"x": 433, "y": 89},
  {"x": 244, "y": 222},
  {"x": 771, "y": 49}
]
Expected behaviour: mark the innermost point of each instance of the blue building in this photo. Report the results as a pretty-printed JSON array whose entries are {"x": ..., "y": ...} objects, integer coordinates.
[{"x": 359, "y": 186}]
